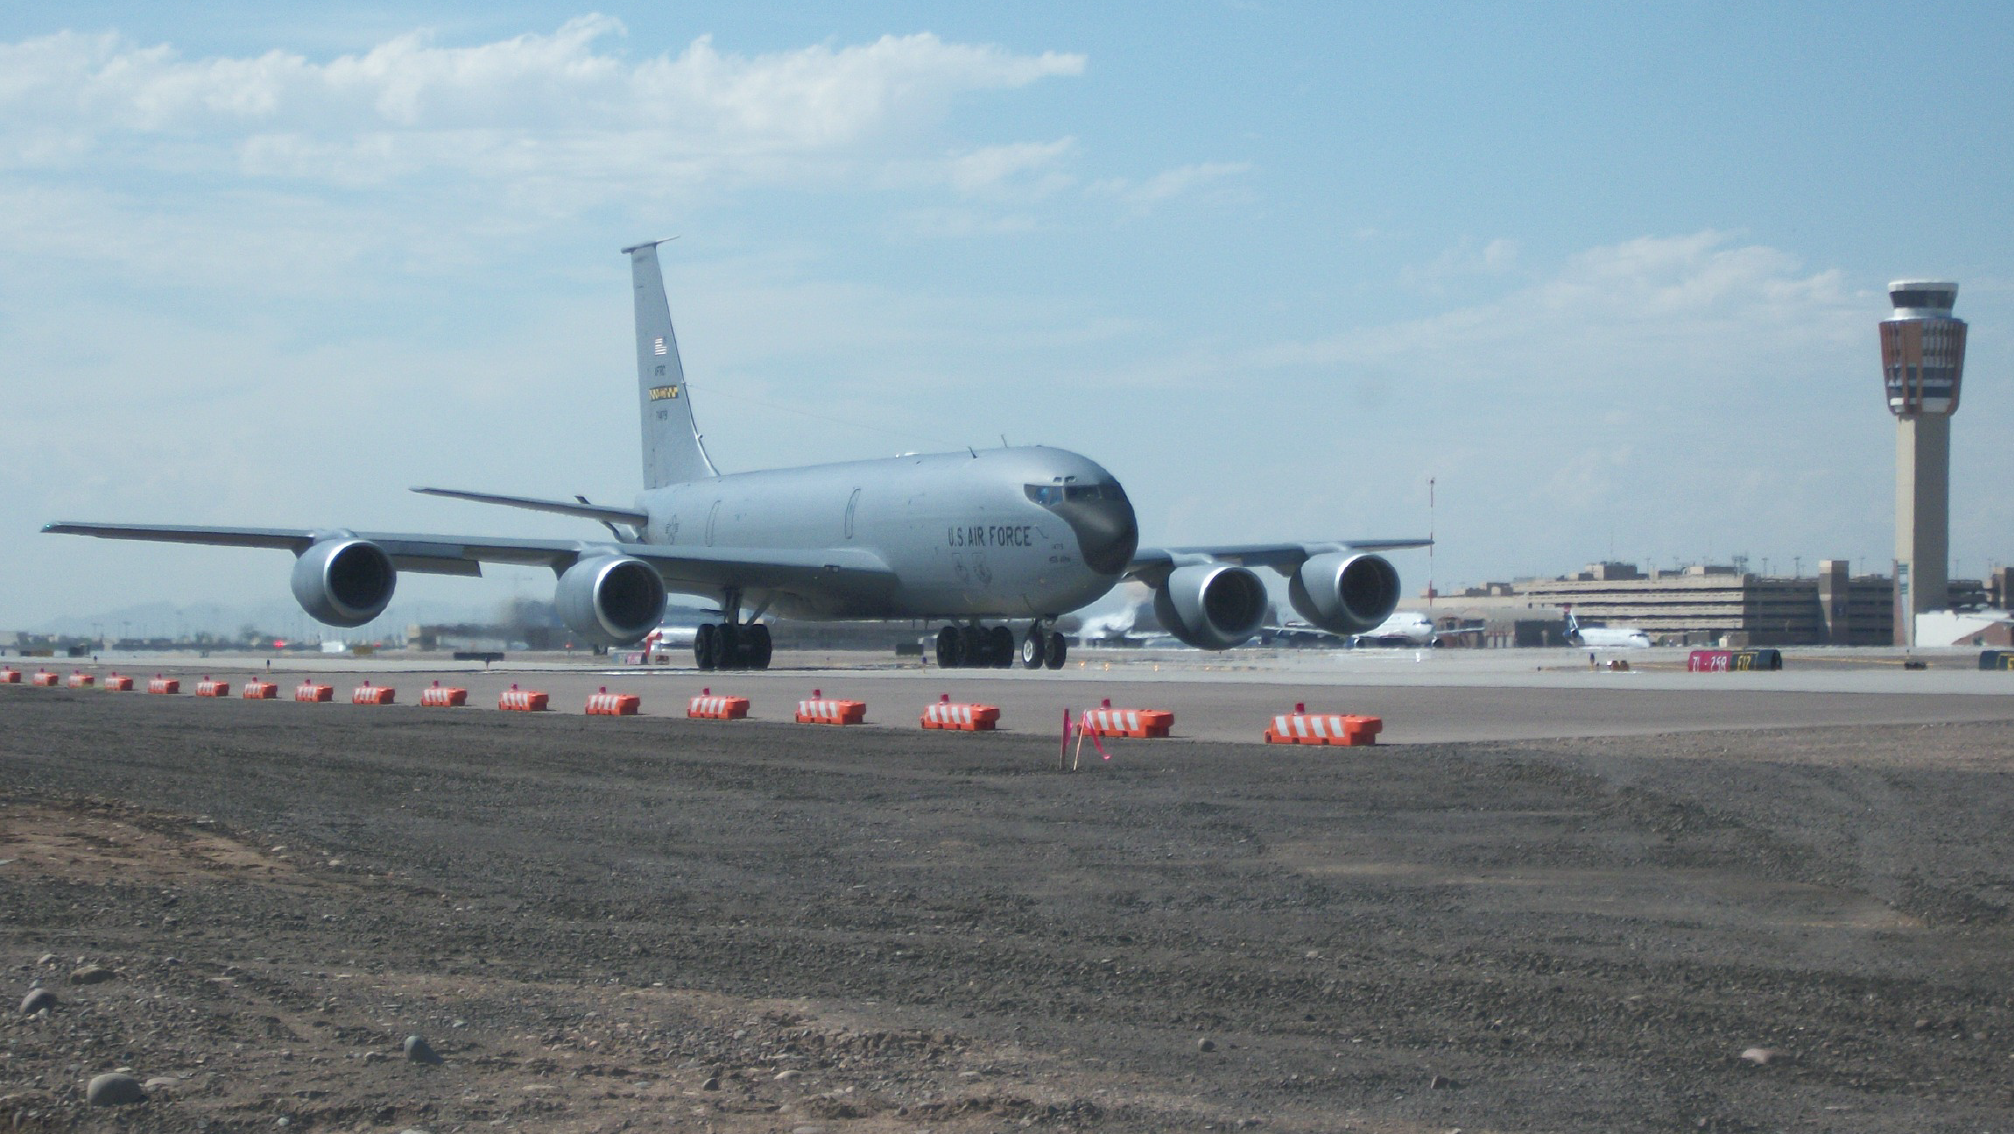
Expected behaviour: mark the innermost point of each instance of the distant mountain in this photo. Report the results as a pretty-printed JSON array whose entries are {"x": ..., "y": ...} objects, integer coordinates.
[{"x": 272, "y": 619}]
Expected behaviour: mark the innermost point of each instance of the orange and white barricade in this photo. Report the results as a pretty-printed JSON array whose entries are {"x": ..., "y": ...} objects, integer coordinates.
[
  {"x": 606, "y": 704},
  {"x": 960, "y": 717},
  {"x": 166, "y": 686},
  {"x": 119, "y": 683},
  {"x": 209, "y": 688},
  {"x": 82, "y": 680},
  {"x": 311, "y": 692},
  {"x": 438, "y": 696},
  {"x": 820, "y": 709},
  {"x": 522, "y": 700},
  {"x": 368, "y": 694},
  {"x": 1140, "y": 723},
  {"x": 10, "y": 677},
  {"x": 260, "y": 691},
  {"x": 1303, "y": 727},
  {"x": 708, "y": 707},
  {"x": 46, "y": 679}
]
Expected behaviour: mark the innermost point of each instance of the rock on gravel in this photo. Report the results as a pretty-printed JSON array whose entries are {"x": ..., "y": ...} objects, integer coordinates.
[
  {"x": 1762, "y": 1056},
  {"x": 417, "y": 1050},
  {"x": 36, "y": 1000},
  {"x": 1206, "y": 1044},
  {"x": 114, "y": 1090},
  {"x": 91, "y": 974}
]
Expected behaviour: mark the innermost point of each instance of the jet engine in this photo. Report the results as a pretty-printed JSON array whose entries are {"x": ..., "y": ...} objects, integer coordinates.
[
  {"x": 1212, "y": 606},
  {"x": 344, "y": 582},
  {"x": 612, "y": 600},
  {"x": 1344, "y": 593}
]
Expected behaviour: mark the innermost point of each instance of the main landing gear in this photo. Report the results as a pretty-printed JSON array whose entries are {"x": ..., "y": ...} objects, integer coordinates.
[
  {"x": 732, "y": 644},
  {"x": 981, "y": 647}
]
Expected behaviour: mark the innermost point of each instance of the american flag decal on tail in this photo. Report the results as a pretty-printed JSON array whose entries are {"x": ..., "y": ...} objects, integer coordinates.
[{"x": 657, "y": 346}]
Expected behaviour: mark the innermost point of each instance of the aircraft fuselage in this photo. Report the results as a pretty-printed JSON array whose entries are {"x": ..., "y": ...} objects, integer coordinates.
[{"x": 999, "y": 533}]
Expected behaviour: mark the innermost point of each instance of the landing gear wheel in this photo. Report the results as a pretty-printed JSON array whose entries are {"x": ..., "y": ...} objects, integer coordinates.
[
  {"x": 976, "y": 644},
  {"x": 1001, "y": 647},
  {"x": 730, "y": 647},
  {"x": 706, "y": 646},
  {"x": 759, "y": 646},
  {"x": 950, "y": 648},
  {"x": 1058, "y": 647},
  {"x": 1033, "y": 648}
]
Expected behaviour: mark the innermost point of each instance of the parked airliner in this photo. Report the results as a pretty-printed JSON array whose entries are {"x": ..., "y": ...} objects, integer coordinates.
[
  {"x": 1604, "y": 637},
  {"x": 973, "y": 539}
]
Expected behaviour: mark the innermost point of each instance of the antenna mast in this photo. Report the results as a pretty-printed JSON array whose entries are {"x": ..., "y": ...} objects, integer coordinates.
[{"x": 1430, "y": 543}]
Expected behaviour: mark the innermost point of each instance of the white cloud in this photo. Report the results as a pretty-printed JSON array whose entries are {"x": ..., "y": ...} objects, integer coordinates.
[
  {"x": 555, "y": 106},
  {"x": 1143, "y": 195},
  {"x": 1613, "y": 314},
  {"x": 1682, "y": 393},
  {"x": 1464, "y": 260},
  {"x": 1027, "y": 165}
]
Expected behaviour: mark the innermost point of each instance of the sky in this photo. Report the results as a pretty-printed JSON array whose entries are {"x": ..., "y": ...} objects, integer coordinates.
[{"x": 1606, "y": 276}]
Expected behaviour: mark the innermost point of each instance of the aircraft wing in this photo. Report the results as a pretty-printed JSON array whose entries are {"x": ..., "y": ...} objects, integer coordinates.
[
  {"x": 1150, "y": 564},
  {"x": 583, "y": 508},
  {"x": 683, "y": 568}
]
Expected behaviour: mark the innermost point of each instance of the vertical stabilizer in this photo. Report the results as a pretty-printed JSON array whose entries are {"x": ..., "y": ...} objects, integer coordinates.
[{"x": 672, "y": 452}]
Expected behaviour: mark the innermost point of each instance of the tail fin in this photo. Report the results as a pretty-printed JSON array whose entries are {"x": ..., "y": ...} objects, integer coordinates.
[{"x": 672, "y": 453}]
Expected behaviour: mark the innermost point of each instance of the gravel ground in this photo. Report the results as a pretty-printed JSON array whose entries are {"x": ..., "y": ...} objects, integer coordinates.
[{"x": 603, "y": 924}]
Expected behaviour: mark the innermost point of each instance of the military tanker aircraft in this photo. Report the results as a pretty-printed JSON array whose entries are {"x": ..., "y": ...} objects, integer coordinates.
[{"x": 974, "y": 539}]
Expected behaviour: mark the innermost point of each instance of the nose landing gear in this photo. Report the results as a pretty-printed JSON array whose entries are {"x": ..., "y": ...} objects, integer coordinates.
[
  {"x": 981, "y": 647},
  {"x": 1043, "y": 648}
]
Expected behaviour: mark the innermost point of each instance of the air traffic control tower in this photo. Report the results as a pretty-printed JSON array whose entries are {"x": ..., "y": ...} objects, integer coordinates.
[{"x": 1922, "y": 360}]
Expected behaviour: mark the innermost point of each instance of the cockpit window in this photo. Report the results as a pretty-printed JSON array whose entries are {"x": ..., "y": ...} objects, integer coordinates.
[{"x": 1051, "y": 494}]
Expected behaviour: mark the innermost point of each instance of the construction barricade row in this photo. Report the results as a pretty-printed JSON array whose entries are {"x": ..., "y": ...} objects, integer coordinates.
[
  {"x": 260, "y": 691},
  {"x": 711, "y": 707},
  {"x": 311, "y": 692},
  {"x": 1126, "y": 722},
  {"x": 82, "y": 680},
  {"x": 46, "y": 679},
  {"x": 826, "y": 710},
  {"x": 165, "y": 686},
  {"x": 10, "y": 677},
  {"x": 606, "y": 704},
  {"x": 209, "y": 688},
  {"x": 119, "y": 683},
  {"x": 517, "y": 700},
  {"x": 438, "y": 696},
  {"x": 959, "y": 717},
  {"x": 368, "y": 694},
  {"x": 1324, "y": 728}
]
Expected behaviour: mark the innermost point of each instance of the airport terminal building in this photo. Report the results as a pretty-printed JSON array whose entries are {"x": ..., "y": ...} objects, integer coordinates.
[{"x": 1702, "y": 605}]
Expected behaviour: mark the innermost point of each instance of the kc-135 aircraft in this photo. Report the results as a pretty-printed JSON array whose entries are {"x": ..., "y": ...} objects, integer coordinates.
[{"x": 964, "y": 538}]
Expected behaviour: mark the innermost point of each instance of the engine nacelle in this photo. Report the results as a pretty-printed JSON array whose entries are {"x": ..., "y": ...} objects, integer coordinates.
[
  {"x": 1345, "y": 593},
  {"x": 613, "y": 600},
  {"x": 344, "y": 582},
  {"x": 1212, "y": 606}
]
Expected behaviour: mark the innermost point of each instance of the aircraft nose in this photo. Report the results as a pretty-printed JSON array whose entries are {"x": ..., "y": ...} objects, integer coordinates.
[{"x": 1107, "y": 533}]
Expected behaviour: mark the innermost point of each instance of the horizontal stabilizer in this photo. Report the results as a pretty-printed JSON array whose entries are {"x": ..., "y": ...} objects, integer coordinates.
[{"x": 601, "y": 512}]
